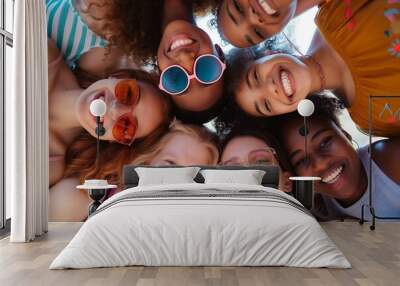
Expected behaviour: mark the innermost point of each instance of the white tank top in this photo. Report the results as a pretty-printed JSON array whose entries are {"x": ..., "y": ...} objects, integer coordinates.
[{"x": 385, "y": 194}]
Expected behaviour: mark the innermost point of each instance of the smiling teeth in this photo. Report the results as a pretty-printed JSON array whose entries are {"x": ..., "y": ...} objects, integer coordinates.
[
  {"x": 334, "y": 176},
  {"x": 179, "y": 43},
  {"x": 268, "y": 9},
  {"x": 286, "y": 83}
]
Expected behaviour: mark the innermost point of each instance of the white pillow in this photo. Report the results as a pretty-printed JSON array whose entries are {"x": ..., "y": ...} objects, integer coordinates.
[
  {"x": 164, "y": 176},
  {"x": 248, "y": 177}
]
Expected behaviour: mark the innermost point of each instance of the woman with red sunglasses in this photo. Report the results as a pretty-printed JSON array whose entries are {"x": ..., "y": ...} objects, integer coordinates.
[
  {"x": 135, "y": 109},
  {"x": 191, "y": 66}
]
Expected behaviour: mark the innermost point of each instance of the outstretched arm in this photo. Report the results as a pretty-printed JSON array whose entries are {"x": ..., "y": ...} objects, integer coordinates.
[{"x": 68, "y": 203}]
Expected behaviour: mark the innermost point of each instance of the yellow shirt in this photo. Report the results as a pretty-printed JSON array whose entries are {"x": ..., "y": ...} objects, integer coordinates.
[{"x": 366, "y": 34}]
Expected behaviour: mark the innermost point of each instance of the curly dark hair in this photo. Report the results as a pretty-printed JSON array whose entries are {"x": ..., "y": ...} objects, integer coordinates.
[
  {"x": 201, "y": 117},
  {"x": 138, "y": 27},
  {"x": 231, "y": 115},
  {"x": 134, "y": 25}
]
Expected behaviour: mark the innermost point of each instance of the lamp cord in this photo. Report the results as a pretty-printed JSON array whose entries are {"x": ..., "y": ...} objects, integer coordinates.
[
  {"x": 98, "y": 141},
  {"x": 305, "y": 137}
]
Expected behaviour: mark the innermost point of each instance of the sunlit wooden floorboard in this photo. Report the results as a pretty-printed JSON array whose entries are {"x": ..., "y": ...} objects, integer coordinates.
[{"x": 374, "y": 255}]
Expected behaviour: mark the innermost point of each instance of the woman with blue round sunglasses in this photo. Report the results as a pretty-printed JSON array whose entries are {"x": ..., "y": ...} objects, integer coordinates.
[
  {"x": 207, "y": 69},
  {"x": 186, "y": 52}
]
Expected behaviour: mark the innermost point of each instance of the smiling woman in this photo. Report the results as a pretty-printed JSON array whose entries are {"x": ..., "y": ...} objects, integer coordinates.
[
  {"x": 343, "y": 169},
  {"x": 272, "y": 83},
  {"x": 103, "y": 35},
  {"x": 172, "y": 147},
  {"x": 337, "y": 57},
  {"x": 191, "y": 65},
  {"x": 268, "y": 83},
  {"x": 247, "y": 145},
  {"x": 169, "y": 148},
  {"x": 127, "y": 118},
  {"x": 246, "y": 23}
]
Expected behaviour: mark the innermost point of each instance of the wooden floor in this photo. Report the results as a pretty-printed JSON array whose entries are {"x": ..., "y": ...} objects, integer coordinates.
[{"x": 375, "y": 257}]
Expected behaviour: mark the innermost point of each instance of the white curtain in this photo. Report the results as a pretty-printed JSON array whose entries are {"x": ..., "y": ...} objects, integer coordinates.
[{"x": 27, "y": 124}]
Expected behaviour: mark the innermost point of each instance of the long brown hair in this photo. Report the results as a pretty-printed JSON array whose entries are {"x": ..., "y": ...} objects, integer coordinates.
[{"x": 81, "y": 156}]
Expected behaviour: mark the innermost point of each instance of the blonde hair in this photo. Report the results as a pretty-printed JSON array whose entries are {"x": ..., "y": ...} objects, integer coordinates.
[
  {"x": 81, "y": 161},
  {"x": 200, "y": 133},
  {"x": 81, "y": 155}
]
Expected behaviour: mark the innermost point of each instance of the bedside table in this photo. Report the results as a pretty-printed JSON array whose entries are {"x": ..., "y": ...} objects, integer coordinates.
[{"x": 97, "y": 190}]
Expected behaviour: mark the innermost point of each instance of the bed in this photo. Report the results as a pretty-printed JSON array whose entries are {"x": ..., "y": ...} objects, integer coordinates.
[{"x": 201, "y": 224}]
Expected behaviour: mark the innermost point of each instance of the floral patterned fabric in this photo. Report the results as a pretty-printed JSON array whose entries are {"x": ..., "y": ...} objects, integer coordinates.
[{"x": 366, "y": 34}]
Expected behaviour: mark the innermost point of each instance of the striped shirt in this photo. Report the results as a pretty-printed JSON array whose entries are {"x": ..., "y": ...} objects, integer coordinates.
[{"x": 71, "y": 35}]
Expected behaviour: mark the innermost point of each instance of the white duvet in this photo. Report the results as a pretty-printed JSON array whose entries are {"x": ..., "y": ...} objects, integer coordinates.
[{"x": 269, "y": 228}]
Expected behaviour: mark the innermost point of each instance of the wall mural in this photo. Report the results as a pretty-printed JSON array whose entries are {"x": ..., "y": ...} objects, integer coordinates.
[{"x": 171, "y": 95}]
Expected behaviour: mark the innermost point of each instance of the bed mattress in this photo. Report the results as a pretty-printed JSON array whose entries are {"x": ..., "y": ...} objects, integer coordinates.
[{"x": 201, "y": 225}]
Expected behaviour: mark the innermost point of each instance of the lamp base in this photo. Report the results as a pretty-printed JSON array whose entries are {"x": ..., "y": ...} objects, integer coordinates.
[
  {"x": 96, "y": 195},
  {"x": 304, "y": 190}
]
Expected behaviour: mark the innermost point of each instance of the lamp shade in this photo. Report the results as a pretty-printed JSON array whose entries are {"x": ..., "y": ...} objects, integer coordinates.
[
  {"x": 98, "y": 107},
  {"x": 305, "y": 107}
]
